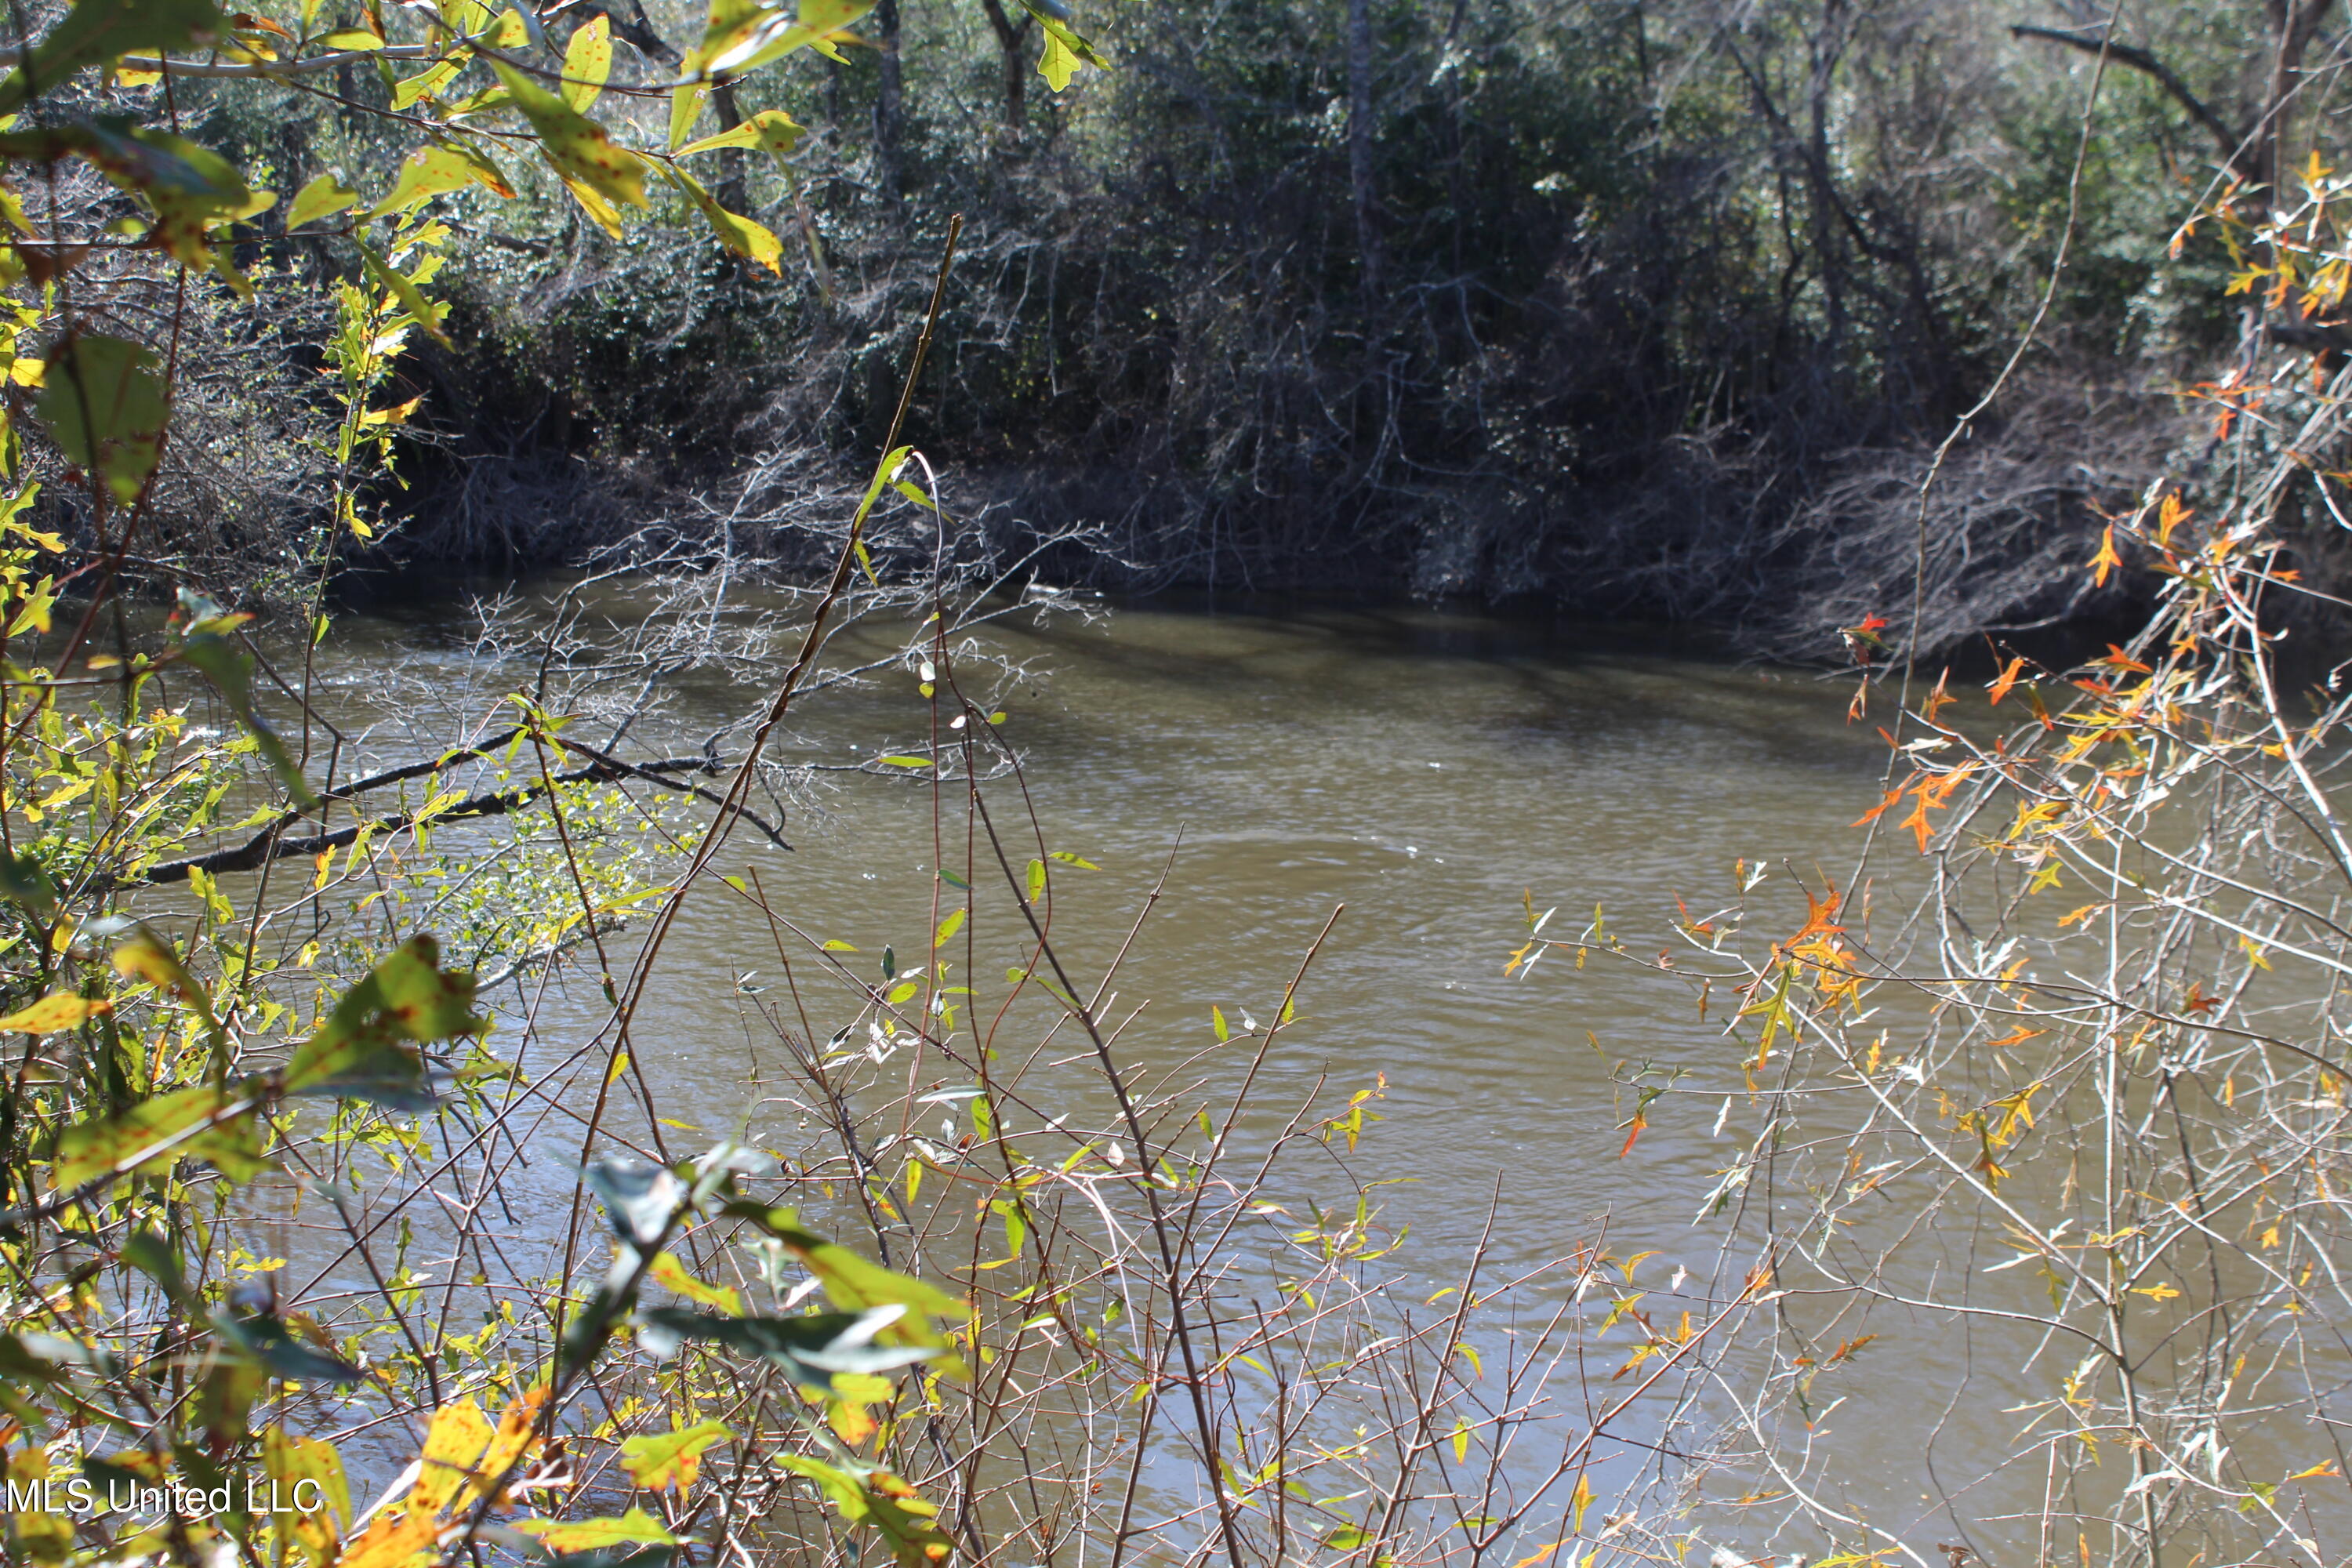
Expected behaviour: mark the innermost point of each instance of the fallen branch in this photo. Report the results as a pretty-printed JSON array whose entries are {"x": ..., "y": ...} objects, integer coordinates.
[{"x": 272, "y": 843}]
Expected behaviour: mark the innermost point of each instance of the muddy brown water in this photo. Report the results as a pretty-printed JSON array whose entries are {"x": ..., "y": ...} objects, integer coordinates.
[{"x": 1431, "y": 774}]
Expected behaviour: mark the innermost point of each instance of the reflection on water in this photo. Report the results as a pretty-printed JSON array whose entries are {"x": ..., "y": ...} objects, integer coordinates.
[{"x": 1430, "y": 772}]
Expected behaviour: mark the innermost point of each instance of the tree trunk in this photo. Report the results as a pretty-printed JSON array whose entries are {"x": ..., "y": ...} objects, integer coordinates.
[
  {"x": 2295, "y": 23},
  {"x": 731, "y": 192},
  {"x": 1014, "y": 43},
  {"x": 1359, "y": 151},
  {"x": 889, "y": 102}
]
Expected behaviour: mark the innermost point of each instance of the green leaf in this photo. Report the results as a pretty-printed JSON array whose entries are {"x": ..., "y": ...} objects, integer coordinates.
[
  {"x": 153, "y": 1255},
  {"x": 947, "y": 929},
  {"x": 1036, "y": 880},
  {"x": 810, "y": 1348},
  {"x": 1064, "y": 48},
  {"x": 24, "y": 878},
  {"x": 431, "y": 82},
  {"x": 884, "y": 472},
  {"x": 169, "y": 1127},
  {"x": 322, "y": 197},
  {"x": 1057, "y": 64},
  {"x": 685, "y": 109},
  {"x": 103, "y": 403},
  {"x": 641, "y": 1199},
  {"x": 875, "y": 1497},
  {"x": 905, "y": 762},
  {"x": 358, "y": 1053},
  {"x": 190, "y": 189},
  {"x": 741, "y": 35},
  {"x": 96, "y": 30},
  {"x": 771, "y": 129},
  {"x": 662, "y": 1461},
  {"x": 854, "y": 1284},
  {"x": 577, "y": 146},
  {"x": 267, "y": 1338},
  {"x": 738, "y": 234},
  {"x": 426, "y": 174},
  {"x": 636, "y": 1526},
  {"x": 357, "y": 39},
  {"x": 588, "y": 63},
  {"x": 403, "y": 290}
]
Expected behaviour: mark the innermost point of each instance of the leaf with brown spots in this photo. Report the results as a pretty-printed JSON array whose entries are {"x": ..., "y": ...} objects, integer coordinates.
[
  {"x": 582, "y": 148},
  {"x": 361, "y": 1052}
]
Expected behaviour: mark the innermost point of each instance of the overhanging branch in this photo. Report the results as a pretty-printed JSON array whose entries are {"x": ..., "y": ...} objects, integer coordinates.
[{"x": 2090, "y": 41}]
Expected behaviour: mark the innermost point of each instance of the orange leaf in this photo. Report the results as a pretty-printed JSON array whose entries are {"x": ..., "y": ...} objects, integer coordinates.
[
  {"x": 2107, "y": 560},
  {"x": 2121, "y": 660},
  {"x": 1938, "y": 700}
]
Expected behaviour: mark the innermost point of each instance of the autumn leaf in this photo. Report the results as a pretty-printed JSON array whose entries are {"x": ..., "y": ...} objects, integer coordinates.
[
  {"x": 2008, "y": 678},
  {"x": 322, "y": 197},
  {"x": 1940, "y": 698},
  {"x": 2169, "y": 516},
  {"x": 2156, "y": 1292},
  {"x": 588, "y": 63},
  {"x": 665, "y": 1460},
  {"x": 61, "y": 1010},
  {"x": 202, "y": 1122},
  {"x": 394, "y": 1539},
  {"x": 583, "y": 151},
  {"x": 771, "y": 129},
  {"x": 635, "y": 1527},
  {"x": 453, "y": 1444},
  {"x": 671, "y": 1276},
  {"x": 2107, "y": 560},
  {"x": 2117, "y": 658}
]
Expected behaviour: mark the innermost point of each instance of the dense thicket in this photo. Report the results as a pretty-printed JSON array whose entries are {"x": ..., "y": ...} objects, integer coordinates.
[{"x": 1637, "y": 307}]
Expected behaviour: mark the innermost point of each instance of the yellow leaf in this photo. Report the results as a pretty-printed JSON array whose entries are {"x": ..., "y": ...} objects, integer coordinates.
[
  {"x": 309, "y": 1475},
  {"x": 588, "y": 63},
  {"x": 664, "y": 1461},
  {"x": 2156, "y": 1292},
  {"x": 634, "y": 1526},
  {"x": 62, "y": 1010},
  {"x": 1059, "y": 63},
  {"x": 423, "y": 174},
  {"x": 516, "y": 1434},
  {"x": 393, "y": 1540},
  {"x": 197, "y": 1124},
  {"x": 671, "y": 1276},
  {"x": 1579, "y": 1500},
  {"x": 429, "y": 83},
  {"x": 395, "y": 415},
  {"x": 453, "y": 1448},
  {"x": 771, "y": 129},
  {"x": 607, "y": 217},
  {"x": 737, "y": 233},
  {"x": 582, "y": 150}
]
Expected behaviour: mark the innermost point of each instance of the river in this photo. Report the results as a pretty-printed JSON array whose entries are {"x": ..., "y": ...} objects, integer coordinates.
[{"x": 1417, "y": 780}]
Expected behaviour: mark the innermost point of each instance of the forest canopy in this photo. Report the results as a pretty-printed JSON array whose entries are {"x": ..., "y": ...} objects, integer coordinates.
[{"x": 1636, "y": 309}]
